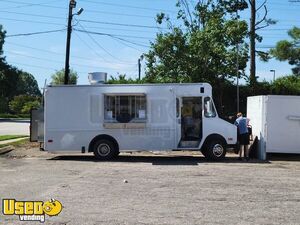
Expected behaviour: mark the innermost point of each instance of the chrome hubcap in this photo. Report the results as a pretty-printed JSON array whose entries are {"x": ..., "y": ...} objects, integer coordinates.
[
  {"x": 218, "y": 150},
  {"x": 103, "y": 149}
]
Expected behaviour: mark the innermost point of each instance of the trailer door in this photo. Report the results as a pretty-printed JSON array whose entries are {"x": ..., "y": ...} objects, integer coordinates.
[{"x": 190, "y": 121}]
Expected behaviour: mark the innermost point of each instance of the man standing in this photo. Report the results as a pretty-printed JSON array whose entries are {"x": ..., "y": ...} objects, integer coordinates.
[{"x": 243, "y": 135}]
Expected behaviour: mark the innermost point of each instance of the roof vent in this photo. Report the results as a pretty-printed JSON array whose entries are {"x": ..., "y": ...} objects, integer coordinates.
[{"x": 97, "y": 78}]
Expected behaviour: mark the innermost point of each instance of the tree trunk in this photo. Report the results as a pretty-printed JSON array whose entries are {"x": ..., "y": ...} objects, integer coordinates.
[{"x": 252, "y": 44}]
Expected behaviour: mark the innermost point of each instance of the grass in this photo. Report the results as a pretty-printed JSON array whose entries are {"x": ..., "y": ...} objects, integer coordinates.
[
  {"x": 9, "y": 137},
  {"x": 16, "y": 143},
  {"x": 14, "y": 116}
]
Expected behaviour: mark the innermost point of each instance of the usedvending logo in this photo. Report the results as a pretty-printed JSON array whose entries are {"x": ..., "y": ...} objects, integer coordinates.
[{"x": 31, "y": 210}]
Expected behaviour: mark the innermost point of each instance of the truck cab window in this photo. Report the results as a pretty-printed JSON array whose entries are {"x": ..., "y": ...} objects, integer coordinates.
[
  {"x": 209, "y": 109},
  {"x": 125, "y": 108}
]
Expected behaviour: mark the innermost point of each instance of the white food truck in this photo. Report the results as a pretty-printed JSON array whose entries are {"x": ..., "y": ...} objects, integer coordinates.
[{"x": 107, "y": 119}]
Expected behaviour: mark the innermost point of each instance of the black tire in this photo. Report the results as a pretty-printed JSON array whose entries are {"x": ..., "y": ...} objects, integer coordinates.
[
  {"x": 104, "y": 149},
  {"x": 215, "y": 150}
]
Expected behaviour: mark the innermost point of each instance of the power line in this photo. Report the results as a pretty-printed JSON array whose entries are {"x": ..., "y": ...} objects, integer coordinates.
[
  {"x": 119, "y": 14},
  {"x": 92, "y": 49},
  {"x": 87, "y": 11},
  {"x": 127, "y": 45},
  {"x": 96, "y": 52},
  {"x": 26, "y": 4},
  {"x": 129, "y": 6},
  {"x": 29, "y": 65},
  {"x": 115, "y": 35},
  {"x": 55, "y": 61},
  {"x": 110, "y": 35},
  {"x": 40, "y": 67},
  {"x": 35, "y": 15},
  {"x": 57, "y": 53},
  {"x": 117, "y": 29},
  {"x": 100, "y": 46},
  {"x": 35, "y": 33},
  {"x": 32, "y": 21},
  {"x": 120, "y": 24}
]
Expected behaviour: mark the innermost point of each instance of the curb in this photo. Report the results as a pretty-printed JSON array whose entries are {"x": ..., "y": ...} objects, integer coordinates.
[{"x": 6, "y": 149}]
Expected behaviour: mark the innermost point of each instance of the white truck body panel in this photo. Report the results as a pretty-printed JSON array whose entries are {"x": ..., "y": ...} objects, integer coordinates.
[
  {"x": 275, "y": 119},
  {"x": 74, "y": 115}
]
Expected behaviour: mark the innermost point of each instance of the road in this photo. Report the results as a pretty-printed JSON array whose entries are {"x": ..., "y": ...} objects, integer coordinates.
[
  {"x": 160, "y": 189},
  {"x": 18, "y": 127}
]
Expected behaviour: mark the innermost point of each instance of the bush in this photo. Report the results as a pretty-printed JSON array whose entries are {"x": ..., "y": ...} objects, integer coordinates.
[
  {"x": 288, "y": 85},
  {"x": 23, "y": 103}
]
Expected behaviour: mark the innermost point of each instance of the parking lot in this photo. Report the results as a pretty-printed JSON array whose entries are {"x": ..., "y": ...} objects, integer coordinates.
[{"x": 146, "y": 188}]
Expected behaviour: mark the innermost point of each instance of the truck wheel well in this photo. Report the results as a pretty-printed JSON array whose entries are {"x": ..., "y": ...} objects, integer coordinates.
[
  {"x": 213, "y": 137},
  {"x": 103, "y": 136}
]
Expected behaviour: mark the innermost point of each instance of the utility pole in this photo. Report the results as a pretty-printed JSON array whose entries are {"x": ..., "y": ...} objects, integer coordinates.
[
  {"x": 139, "y": 65},
  {"x": 72, "y": 5}
]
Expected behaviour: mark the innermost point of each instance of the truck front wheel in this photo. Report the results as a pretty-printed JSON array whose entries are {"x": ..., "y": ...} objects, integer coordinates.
[
  {"x": 215, "y": 150},
  {"x": 104, "y": 149}
]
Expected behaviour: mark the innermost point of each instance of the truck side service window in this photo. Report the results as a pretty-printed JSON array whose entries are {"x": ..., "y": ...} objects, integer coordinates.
[
  {"x": 209, "y": 109},
  {"x": 125, "y": 109}
]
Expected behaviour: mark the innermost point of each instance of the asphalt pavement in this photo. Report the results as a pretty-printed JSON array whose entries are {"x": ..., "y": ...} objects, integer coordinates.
[
  {"x": 10, "y": 127},
  {"x": 153, "y": 189}
]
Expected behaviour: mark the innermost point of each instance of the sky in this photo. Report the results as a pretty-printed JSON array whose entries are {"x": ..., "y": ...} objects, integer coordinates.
[{"x": 122, "y": 33}]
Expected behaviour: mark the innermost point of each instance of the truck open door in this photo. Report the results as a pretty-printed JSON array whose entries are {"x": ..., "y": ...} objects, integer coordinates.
[{"x": 37, "y": 125}]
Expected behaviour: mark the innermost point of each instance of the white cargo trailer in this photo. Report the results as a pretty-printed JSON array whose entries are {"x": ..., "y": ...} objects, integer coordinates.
[
  {"x": 107, "y": 119},
  {"x": 275, "y": 120}
]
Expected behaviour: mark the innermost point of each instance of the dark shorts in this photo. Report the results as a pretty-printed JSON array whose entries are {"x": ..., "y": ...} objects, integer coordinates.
[{"x": 244, "y": 139}]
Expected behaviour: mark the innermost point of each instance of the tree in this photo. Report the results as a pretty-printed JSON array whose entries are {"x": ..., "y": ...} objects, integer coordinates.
[
  {"x": 255, "y": 25},
  {"x": 287, "y": 85},
  {"x": 2, "y": 37},
  {"x": 289, "y": 50},
  {"x": 201, "y": 47},
  {"x": 13, "y": 81},
  {"x": 203, "y": 50},
  {"x": 121, "y": 79},
  {"x": 23, "y": 103},
  {"x": 27, "y": 84},
  {"x": 58, "y": 77}
]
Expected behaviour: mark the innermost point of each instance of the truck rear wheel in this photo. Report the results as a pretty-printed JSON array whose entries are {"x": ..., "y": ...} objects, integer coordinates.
[
  {"x": 215, "y": 150},
  {"x": 104, "y": 149}
]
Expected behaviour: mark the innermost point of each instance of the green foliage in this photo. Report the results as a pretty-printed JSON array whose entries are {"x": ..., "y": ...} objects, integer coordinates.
[
  {"x": 13, "y": 82},
  {"x": 288, "y": 85},
  {"x": 16, "y": 143},
  {"x": 3, "y": 105},
  {"x": 58, "y": 77},
  {"x": 27, "y": 85},
  {"x": 2, "y": 37},
  {"x": 30, "y": 105},
  {"x": 202, "y": 49},
  {"x": 289, "y": 50},
  {"x": 14, "y": 116},
  {"x": 22, "y": 104},
  {"x": 121, "y": 79},
  {"x": 9, "y": 137}
]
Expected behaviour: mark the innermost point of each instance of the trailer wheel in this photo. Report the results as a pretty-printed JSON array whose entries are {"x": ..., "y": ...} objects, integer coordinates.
[
  {"x": 215, "y": 150},
  {"x": 104, "y": 149}
]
